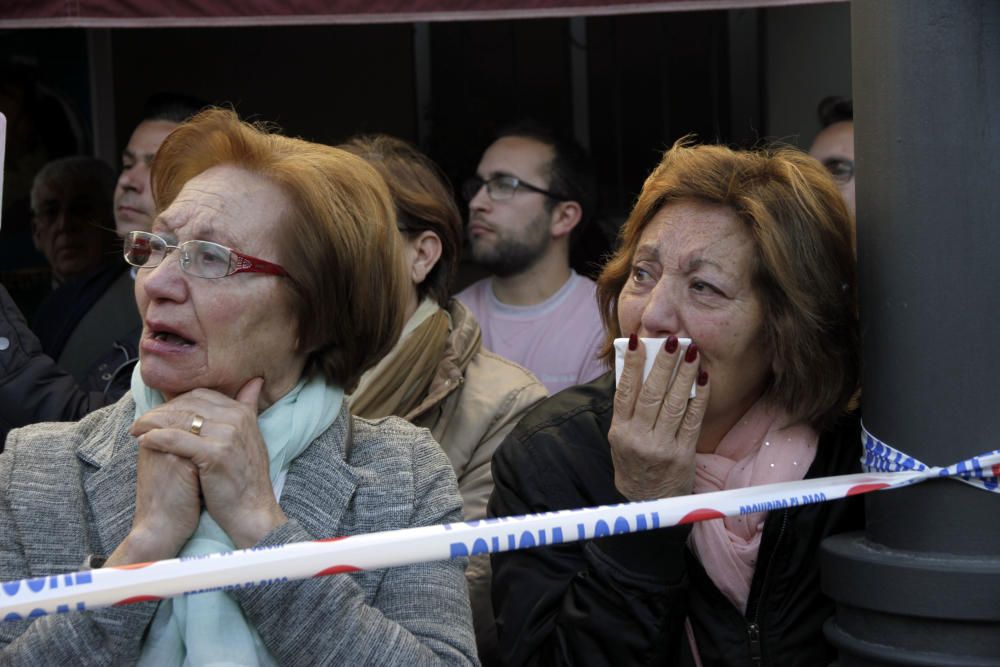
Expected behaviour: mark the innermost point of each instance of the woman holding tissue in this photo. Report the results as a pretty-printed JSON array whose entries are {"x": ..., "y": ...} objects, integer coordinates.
[
  {"x": 270, "y": 282},
  {"x": 749, "y": 255}
]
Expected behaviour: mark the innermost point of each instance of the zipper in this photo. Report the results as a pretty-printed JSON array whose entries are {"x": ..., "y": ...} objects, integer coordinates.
[
  {"x": 753, "y": 631},
  {"x": 753, "y": 628}
]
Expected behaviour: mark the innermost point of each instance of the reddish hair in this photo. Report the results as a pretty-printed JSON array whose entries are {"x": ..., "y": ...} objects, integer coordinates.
[
  {"x": 338, "y": 243},
  {"x": 804, "y": 268},
  {"x": 424, "y": 202}
]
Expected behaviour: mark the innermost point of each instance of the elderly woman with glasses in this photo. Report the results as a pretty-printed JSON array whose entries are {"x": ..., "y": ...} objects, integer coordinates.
[
  {"x": 271, "y": 280},
  {"x": 748, "y": 255}
]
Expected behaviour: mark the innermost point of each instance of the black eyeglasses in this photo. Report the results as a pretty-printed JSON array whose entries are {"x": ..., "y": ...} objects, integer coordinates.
[
  {"x": 842, "y": 170},
  {"x": 503, "y": 187}
]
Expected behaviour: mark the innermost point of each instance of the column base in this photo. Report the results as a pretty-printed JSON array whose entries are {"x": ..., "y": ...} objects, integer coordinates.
[{"x": 897, "y": 607}]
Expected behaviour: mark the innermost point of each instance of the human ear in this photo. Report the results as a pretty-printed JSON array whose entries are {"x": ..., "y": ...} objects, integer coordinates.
[
  {"x": 425, "y": 252},
  {"x": 565, "y": 216}
]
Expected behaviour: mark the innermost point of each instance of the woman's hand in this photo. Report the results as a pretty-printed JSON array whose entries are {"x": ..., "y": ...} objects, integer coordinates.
[
  {"x": 229, "y": 455},
  {"x": 167, "y": 508},
  {"x": 655, "y": 426}
]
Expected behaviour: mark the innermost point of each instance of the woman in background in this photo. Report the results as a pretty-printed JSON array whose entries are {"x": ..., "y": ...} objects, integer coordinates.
[{"x": 438, "y": 375}]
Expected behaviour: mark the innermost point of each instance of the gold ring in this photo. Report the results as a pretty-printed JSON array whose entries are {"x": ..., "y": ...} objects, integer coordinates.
[{"x": 196, "y": 423}]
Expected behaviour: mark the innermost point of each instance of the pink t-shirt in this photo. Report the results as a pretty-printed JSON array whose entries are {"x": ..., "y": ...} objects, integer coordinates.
[{"x": 557, "y": 340}]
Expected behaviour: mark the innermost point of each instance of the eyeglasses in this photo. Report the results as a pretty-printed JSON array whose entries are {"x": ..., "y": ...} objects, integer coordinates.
[
  {"x": 198, "y": 258},
  {"x": 502, "y": 187},
  {"x": 841, "y": 170}
]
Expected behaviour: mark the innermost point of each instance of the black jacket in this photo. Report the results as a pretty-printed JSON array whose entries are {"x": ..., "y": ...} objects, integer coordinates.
[
  {"x": 33, "y": 388},
  {"x": 62, "y": 310},
  {"x": 623, "y": 600}
]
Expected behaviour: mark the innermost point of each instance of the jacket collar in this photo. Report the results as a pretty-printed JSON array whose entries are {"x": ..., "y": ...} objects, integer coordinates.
[
  {"x": 52, "y": 518},
  {"x": 109, "y": 479}
]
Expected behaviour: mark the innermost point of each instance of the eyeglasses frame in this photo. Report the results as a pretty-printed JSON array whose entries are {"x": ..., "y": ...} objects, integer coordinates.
[
  {"x": 518, "y": 183},
  {"x": 239, "y": 262}
]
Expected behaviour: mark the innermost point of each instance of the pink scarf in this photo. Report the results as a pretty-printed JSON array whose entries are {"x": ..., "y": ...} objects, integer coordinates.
[{"x": 757, "y": 450}]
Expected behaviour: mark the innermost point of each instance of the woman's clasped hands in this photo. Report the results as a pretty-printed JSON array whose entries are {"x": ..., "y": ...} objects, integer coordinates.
[
  {"x": 655, "y": 426},
  {"x": 223, "y": 463}
]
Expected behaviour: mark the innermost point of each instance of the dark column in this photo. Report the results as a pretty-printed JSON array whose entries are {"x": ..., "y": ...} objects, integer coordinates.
[{"x": 922, "y": 585}]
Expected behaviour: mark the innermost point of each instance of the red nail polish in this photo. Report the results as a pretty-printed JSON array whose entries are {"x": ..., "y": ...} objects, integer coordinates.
[
  {"x": 671, "y": 345},
  {"x": 633, "y": 342},
  {"x": 692, "y": 353},
  {"x": 702, "y": 378}
]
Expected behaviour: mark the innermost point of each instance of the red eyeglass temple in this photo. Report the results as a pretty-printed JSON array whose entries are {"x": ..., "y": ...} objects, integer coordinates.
[{"x": 247, "y": 264}]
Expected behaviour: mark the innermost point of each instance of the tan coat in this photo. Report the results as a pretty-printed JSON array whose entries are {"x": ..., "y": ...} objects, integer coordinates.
[{"x": 475, "y": 399}]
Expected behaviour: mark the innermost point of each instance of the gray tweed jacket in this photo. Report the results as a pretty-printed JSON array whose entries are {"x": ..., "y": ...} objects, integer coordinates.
[{"x": 67, "y": 491}]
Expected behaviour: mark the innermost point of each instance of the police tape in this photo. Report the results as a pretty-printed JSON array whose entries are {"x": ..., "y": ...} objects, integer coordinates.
[
  {"x": 91, "y": 589},
  {"x": 980, "y": 471}
]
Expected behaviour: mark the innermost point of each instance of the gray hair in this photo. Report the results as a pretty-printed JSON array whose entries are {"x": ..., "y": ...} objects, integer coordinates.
[{"x": 83, "y": 169}]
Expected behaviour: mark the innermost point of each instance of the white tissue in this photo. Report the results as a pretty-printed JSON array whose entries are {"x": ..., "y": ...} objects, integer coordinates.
[{"x": 653, "y": 347}]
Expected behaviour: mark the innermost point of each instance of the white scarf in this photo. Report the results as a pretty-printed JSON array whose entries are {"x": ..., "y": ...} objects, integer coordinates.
[{"x": 210, "y": 628}]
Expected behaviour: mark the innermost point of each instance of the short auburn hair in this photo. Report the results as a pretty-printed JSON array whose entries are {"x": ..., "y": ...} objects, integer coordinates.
[
  {"x": 804, "y": 268},
  {"x": 338, "y": 243},
  {"x": 424, "y": 202}
]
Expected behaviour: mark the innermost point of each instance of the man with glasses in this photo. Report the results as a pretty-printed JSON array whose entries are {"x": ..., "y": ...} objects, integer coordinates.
[
  {"x": 71, "y": 219},
  {"x": 834, "y": 145},
  {"x": 530, "y": 192},
  {"x": 72, "y": 225}
]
